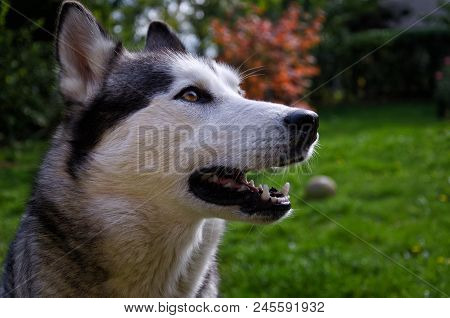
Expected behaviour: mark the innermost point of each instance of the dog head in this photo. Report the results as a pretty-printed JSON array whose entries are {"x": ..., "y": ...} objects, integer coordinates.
[{"x": 166, "y": 126}]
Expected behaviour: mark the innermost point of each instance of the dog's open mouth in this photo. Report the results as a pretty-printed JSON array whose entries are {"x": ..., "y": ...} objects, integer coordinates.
[{"x": 229, "y": 186}]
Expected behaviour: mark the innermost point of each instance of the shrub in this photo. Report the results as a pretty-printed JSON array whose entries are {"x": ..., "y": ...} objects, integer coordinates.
[{"x": 280, "y": 51}]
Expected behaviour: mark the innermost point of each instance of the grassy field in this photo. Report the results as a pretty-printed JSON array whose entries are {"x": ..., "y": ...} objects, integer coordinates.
[{"x": 385, "y": 233}]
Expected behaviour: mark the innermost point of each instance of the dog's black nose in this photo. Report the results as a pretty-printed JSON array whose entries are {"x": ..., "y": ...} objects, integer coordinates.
[
  {"x": 302, "y": 125},
  {"x": 305, "y": 121}
]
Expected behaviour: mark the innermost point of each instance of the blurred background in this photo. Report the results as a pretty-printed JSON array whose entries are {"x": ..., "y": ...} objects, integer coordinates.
[{"x": 372, "y": 217}]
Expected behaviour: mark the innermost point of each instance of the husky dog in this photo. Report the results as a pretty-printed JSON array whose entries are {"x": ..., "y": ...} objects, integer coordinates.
[{"x": 97, "y": 223}]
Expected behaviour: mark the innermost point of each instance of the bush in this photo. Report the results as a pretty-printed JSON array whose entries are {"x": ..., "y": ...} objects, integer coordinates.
[
  {"x": 28, "y": 99},
  {"x": 280, "y": 52},
  {"x": 403, "y": 67}
]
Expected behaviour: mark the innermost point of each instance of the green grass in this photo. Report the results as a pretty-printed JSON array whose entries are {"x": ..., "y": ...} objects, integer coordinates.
[
  {"x": 385, "y": 233},
  {"x": 18, "y": 166}
]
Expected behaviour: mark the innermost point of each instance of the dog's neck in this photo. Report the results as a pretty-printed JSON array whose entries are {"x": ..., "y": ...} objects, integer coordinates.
[{"x": 156, "y": 253}]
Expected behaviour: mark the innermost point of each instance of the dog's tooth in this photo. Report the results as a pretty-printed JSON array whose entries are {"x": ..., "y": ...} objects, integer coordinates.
[
  {"x": 265, "y": 194},
  {"x": 228, "y": 185},
  {"x": 252, "y": 183},
  {"x": 214, "y": 179},
  {"x": 274, "y": 200},
  {"x": 242, "y": 188},
  {"x": 260, "y": 187},
  {"x": 285, "y": 189}
]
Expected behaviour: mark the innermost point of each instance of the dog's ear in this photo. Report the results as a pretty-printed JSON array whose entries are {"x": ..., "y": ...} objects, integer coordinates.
[
  {"x": 83, "y": 52},
  {"x": 160, "y": 37}
]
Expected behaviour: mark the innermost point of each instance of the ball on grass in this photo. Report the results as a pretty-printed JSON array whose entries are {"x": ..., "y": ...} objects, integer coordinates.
[{"x": 320, "y": 187}]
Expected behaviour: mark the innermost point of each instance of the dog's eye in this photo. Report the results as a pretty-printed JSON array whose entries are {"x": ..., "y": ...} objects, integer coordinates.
[
  {"x": 190, "y": 96},
  {"x": 194, "y": 95}
]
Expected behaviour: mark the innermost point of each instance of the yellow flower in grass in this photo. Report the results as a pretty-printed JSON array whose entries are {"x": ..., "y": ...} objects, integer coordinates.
[
  {"x": 443, "y": 260},
  {"x": 416, "y": 249}
]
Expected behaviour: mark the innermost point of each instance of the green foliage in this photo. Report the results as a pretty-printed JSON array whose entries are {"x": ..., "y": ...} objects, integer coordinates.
[
  {"x": 28, "y": 101},
  {"x": 190, "y": 18},
  {"x": 390, "y": 166},
  {"x": 398, "y": 66}
]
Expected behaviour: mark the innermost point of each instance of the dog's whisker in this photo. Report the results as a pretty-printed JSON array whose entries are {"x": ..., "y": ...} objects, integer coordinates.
[
  {"x": 255, "y": 75},
  {"x": 252, "y": 73},
  {"x": 245, "y": 61},
  {"x": 252, "y": 69},
  {"x": 255, "y": 71}
]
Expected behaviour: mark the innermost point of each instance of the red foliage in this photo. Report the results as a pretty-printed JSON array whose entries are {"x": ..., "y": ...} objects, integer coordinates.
[{"x": 280, "y": 52}]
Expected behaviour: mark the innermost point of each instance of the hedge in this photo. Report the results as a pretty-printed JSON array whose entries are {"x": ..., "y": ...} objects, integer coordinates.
[{"x": 402, "y": 65}]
